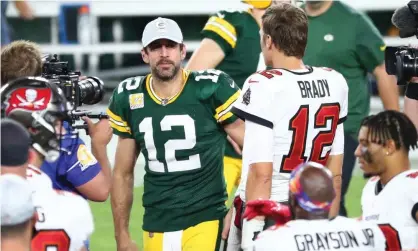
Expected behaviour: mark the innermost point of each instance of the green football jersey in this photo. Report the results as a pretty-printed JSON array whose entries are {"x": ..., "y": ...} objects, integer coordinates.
[
  {"x": 346, "y": 40},
  {"x": 238, "y": 34},
  {"x": 183, "y": 143}
]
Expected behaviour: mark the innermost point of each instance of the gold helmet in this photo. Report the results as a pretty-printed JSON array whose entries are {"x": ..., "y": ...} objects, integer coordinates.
[
  {"x": 261, "y": 4},
  {"x": 258, "y": 4}
]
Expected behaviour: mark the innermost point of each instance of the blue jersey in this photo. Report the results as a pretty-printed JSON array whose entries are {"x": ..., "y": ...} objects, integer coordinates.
[{"x": 73, "y": 168}]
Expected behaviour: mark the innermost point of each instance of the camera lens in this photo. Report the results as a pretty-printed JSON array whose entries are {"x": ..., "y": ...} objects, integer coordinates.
[{"x": 91, "y": 90}]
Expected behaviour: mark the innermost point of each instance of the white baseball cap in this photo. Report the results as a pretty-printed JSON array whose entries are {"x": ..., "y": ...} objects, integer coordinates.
[
  {"x": 162, "y": 28},
  {"x": 16, "y": 200}
]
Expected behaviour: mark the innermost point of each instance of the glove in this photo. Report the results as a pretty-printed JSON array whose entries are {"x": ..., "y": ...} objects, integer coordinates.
[
  {"x": 276, "y": 211},
  {"x": 250, "y": 229}
]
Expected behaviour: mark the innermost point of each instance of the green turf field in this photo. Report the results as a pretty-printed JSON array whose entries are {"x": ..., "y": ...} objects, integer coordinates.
[{"x": 103, "y": 237}]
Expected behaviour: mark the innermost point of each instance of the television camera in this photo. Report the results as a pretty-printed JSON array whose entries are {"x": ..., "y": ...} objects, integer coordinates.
[
  {"x": 402, "y": 61},
  {"x": 78, "y": 90}
]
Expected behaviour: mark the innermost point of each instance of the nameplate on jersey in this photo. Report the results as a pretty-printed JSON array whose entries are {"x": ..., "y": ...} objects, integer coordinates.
[
  {"x": 335, "y": 240},
  {"x": 314, "y": 88},
  {"x": 136, "y": 101}
]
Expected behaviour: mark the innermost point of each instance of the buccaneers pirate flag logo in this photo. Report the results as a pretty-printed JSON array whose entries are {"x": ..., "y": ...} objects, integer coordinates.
[{"x": 29, "y": 99}]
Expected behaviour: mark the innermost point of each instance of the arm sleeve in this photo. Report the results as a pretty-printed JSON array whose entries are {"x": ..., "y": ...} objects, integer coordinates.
[
  {"x": 220, "y": 29},
  {"x": 82, "y": 165},
  {"x": 255, "y": 102},
  {"x": 338, "y": 144},
  {"x": 258, "y": 143},
  {"x": 370, "y": 46},
  {"x": 226, "y": 93},
  {"x": 118, "y": 114}
]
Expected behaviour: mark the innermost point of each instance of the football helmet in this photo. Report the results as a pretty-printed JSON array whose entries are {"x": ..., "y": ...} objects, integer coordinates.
[
  {"x": 39, "y": 105},
  {"x": 258, "y": 4},
  {"x": 264, "y": 4}
]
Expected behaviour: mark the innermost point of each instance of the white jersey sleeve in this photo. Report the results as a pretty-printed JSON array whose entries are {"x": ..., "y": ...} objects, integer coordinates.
[
  {"x": 254, "y": 103},
  {"x": 338, "y": 144},
  {"x": 338, "y": 234},
  {"x": 254, "y": 106},
  {"x": 64, "y": 221}
]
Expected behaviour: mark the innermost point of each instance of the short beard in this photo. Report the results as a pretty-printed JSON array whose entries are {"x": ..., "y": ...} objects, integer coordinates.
[{"x": 157, "y": 74}]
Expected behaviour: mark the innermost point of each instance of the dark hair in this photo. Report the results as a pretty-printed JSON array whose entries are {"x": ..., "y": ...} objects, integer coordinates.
[
  {"x": 20, "y": 59},
  {"x": 288, "y": 27},
  {"x": 392, "y": 125}
]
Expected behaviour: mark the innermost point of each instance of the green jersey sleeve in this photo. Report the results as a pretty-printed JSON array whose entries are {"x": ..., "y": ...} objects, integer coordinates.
[
  {"x": 370, "y": 46},
  {"x": 224, "y": 97},
  {"x": 220, "y": 91},
  {"x": 118, "y": 112},
  {"x": 221, "y": 29}
]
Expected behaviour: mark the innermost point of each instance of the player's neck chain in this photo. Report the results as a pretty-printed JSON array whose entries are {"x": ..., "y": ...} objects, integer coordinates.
[{"x": 164, "y": 101}]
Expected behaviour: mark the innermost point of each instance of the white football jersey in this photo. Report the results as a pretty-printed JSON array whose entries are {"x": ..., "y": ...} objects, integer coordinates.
[
  {"x": 305, "y": 109},
  {"x": 38, "y": 179},
  {"x": 393, "y": 208},
  {"x": 65, "y": 220},
  {"x": 340, "y": 233}
]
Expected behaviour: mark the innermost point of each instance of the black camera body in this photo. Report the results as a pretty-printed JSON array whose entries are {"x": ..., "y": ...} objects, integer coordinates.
[
  {"x": 403, "y": 62},
  {"x": 77, "y": 90}
]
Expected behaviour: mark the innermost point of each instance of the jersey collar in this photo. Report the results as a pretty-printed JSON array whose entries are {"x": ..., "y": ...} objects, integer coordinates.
[{"x": 157, "y": 99}]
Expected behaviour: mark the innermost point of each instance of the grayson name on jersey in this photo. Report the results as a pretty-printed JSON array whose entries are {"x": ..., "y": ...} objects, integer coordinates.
[
  {"x": 334, "y": 240},
  {"x": 183, "y": 142},
  {"x": 339, "y": 233}
]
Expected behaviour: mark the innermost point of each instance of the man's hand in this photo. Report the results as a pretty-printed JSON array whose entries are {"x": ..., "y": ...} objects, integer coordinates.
[
  {"x": 100, "y": 133},
  {"x": 227, "y": 224}
]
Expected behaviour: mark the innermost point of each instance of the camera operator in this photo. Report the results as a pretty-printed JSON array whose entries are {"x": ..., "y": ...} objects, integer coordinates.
[
  {"x": 411, "y": 101},
  {"x": 28, "y": 138},
  {"x": 78, "y": 169},
  {"x": 402, "y": 61}
]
